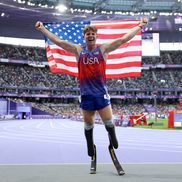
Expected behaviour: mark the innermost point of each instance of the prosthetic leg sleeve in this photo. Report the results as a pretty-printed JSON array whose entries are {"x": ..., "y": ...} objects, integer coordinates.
[
  {"x": 89, "y": 139},
  {"x": 111, "y": 132}
]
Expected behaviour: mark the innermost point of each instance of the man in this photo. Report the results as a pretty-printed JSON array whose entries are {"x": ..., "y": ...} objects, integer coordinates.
[{"x": 91, "y": 62}]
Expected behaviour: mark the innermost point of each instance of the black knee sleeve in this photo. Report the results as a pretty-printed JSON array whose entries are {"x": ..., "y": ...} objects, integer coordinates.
[{"x": 112, "y": 136}]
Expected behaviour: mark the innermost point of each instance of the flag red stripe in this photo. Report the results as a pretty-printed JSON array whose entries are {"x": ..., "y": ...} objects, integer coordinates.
[
  {"x": 122, "y": 75},
  {"x": 114, "y": 21},
  {"x": 62, "y": 52},
  {"x": 132, "y": 43}
]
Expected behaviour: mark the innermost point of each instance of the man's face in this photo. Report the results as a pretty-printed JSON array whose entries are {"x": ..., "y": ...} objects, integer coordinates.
[{"x": 90, "y": 37}]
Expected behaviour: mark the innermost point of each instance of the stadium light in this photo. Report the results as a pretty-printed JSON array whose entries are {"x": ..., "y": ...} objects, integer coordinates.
[
  {"x": 2, "y": 14},
  {"x": 61, "y": 8}
]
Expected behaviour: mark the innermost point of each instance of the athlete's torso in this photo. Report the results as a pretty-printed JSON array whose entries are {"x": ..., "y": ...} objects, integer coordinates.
[{"x": 92, "y": 77}]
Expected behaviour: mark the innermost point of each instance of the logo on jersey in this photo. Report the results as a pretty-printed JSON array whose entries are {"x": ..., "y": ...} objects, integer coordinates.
[
  {"x": 96, "y": 53},
  {"x": 90, "y": 60}
]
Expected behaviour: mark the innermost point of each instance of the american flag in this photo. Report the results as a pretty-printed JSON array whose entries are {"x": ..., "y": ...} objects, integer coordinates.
[{"x": 123, "y": 62}]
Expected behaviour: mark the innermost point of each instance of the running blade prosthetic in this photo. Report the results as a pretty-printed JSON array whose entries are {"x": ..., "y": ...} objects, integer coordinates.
[
  {"x": 93, "y": 162},
  {"x": 115, "y": 160}
]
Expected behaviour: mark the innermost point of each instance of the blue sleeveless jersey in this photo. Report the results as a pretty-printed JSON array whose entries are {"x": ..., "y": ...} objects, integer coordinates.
[{"x": 92, "y": 77}]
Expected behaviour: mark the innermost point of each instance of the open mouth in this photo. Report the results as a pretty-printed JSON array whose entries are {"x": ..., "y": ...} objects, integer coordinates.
[{"x": 91, "y": 39}]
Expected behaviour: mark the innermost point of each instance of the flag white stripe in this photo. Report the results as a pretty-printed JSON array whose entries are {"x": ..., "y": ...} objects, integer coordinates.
[
  {"x": 49, "y": 53},
  {"x": 124, "y": 60},
  {"x": 102, "y": 41},
  {"x": 66, "y": 58},
  {"x": 117, "y": 51},
  {"x": 52, "y": 63},
  {"x": 108, "y": 71},
  {"x": 126, "y": 49},
  {"x": 123, "y": 70},
  {"x": 68, "y": 68},
  {"x": 136, "y": 38},
  {"x": 109, "y": 61},
  {"x": 112, "y": 31}
]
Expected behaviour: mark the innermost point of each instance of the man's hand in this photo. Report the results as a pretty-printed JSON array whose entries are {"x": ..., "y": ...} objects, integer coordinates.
[
  {"x": 143, "y": 22},
  {"x": 39, "y": 25}
]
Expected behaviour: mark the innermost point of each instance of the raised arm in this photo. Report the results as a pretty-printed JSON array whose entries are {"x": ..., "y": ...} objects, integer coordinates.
[
  {"x": 73, "y": 48},
  {"x": 111, "y": 46}
]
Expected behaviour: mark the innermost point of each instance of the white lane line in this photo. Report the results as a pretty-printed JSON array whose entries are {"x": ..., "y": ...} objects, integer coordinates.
[
  {"x": 71, "y": 142},
  {"x": 88, "y": 163},
  {"x": 72, "y": 138},
  {"x": 66, "y": 136},
  {"x": 76, "y": 142}
]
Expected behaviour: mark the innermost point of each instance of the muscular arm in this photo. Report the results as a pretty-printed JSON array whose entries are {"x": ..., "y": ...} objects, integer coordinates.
[
  {"x": 111, "y": 46},
  {"x": 73, "y": 48}
]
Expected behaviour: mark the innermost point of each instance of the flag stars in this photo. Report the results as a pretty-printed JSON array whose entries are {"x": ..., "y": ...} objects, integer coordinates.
[{"x": 71, "y": 32}]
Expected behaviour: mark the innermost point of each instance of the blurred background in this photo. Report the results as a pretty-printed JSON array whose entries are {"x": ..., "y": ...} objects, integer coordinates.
[{"x": 29, "y": 90}]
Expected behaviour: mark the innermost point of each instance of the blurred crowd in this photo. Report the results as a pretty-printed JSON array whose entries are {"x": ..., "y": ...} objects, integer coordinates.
[
  {"x": 38, "y": 54},
  {"x": 24, "y": 75},
  {"x": 22, "y": 53},
  {"x": 40, "y": 80},
  {"x": 73, "y": 111}
]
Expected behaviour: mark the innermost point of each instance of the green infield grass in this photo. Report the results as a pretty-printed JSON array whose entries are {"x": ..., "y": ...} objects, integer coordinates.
[{"x": 157, "y": 124}]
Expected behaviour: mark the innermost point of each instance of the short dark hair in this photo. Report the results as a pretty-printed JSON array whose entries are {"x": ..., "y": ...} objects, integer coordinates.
[{"x": 89, "y": 28}]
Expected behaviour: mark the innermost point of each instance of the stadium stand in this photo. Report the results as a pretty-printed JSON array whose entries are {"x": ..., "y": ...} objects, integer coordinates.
[{"x": 25, "y": 80}]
